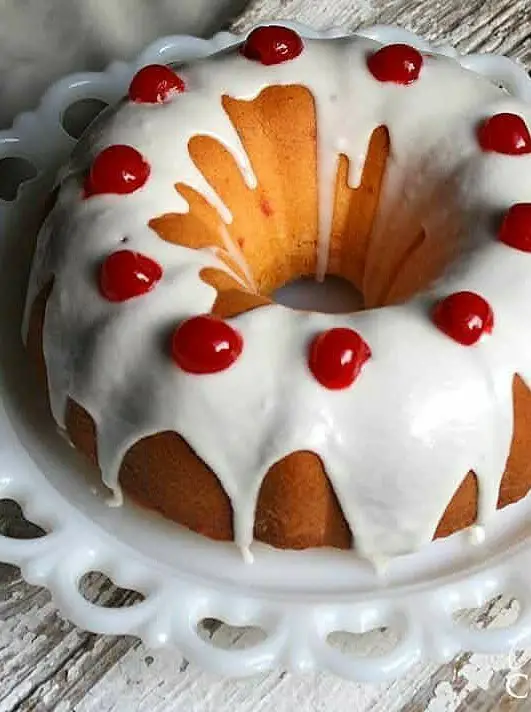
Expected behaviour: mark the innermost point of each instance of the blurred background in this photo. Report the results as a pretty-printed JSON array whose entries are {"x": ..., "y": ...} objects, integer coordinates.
[{"x": 41, "y": 40}]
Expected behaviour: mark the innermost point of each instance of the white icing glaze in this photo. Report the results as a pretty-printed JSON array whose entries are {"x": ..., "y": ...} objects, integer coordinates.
[{"x": 425, "y": 409}]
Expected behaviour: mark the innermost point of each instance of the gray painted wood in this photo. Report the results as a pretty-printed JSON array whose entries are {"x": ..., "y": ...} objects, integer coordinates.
[{"x": 48, "y": 664}]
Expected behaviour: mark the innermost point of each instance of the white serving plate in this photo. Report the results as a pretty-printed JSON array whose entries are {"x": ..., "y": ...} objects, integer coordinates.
[{"x": 297, "y": 598}]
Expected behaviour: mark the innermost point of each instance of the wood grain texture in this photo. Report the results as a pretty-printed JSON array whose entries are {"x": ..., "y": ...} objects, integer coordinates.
[{"x": 48, "y": 664}]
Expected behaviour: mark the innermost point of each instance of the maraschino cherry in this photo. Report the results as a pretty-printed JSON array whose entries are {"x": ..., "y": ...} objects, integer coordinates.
[
  {"x": 272, "y": 45},
  {"x": 515, "y": 229},
  {"x": 337, "y": 357},
  {"x": 505, "y": 133},
  {"x": 155, "y": 84},
  {"x": 118, "y": 169},
  {"x": 464, "y": 317},
  {"x": 126, "y": 274},
  {"x": 397, "y": 63},
  {"x": 205, "y": 344}
]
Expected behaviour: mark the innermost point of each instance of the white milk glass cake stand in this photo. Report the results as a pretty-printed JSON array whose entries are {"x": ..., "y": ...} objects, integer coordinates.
[{"x": 298, "y": 599}]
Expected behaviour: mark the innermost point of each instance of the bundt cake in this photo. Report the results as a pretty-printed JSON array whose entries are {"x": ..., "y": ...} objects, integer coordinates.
[{"x": 166, "y": 359}]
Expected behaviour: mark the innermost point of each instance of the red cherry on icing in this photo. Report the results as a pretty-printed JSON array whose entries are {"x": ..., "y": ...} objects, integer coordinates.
[
  {"x": 337, "y": 357},
  {"x": 515, "y": 229},
  {"x": 117, "y": 169},
  {"x": 272, "y": 45},
  {"x": 505, "y": 133},
  {"x": 154, "y": 84},
  {"x": 126, "y": 274},
  {"x": 205, "y": 344},
  {"x": 398, "y": 63},
  {"x": 464, "y": 317}
]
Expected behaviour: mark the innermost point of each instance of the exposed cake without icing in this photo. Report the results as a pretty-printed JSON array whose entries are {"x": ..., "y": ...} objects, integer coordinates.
[{"x": 180, "y": 213}]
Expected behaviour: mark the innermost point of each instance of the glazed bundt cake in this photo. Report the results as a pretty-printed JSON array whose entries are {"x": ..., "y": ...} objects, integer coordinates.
[{"x": 169, "y": 364}]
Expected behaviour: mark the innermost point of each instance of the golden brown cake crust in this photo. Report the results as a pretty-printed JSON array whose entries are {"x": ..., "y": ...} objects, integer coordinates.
[{"x": 276, "y": 229}]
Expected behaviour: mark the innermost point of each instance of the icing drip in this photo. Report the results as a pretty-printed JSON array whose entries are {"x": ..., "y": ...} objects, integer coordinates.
[
  {"x": 236, "y": 255},
  {"x": 425, "y": 410}
]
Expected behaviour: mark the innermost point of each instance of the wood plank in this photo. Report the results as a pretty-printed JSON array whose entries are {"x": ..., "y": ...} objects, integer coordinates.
[{"x": 38, "y": 648}]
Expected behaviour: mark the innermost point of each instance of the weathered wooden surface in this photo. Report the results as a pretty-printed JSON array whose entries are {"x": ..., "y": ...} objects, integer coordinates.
[{"x": 48, "y": 664}]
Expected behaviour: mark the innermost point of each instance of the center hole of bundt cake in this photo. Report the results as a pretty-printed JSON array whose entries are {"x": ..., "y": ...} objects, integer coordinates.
[
  {"x": 372, "y": 247},
  {"x": 334, "y": 295}
]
